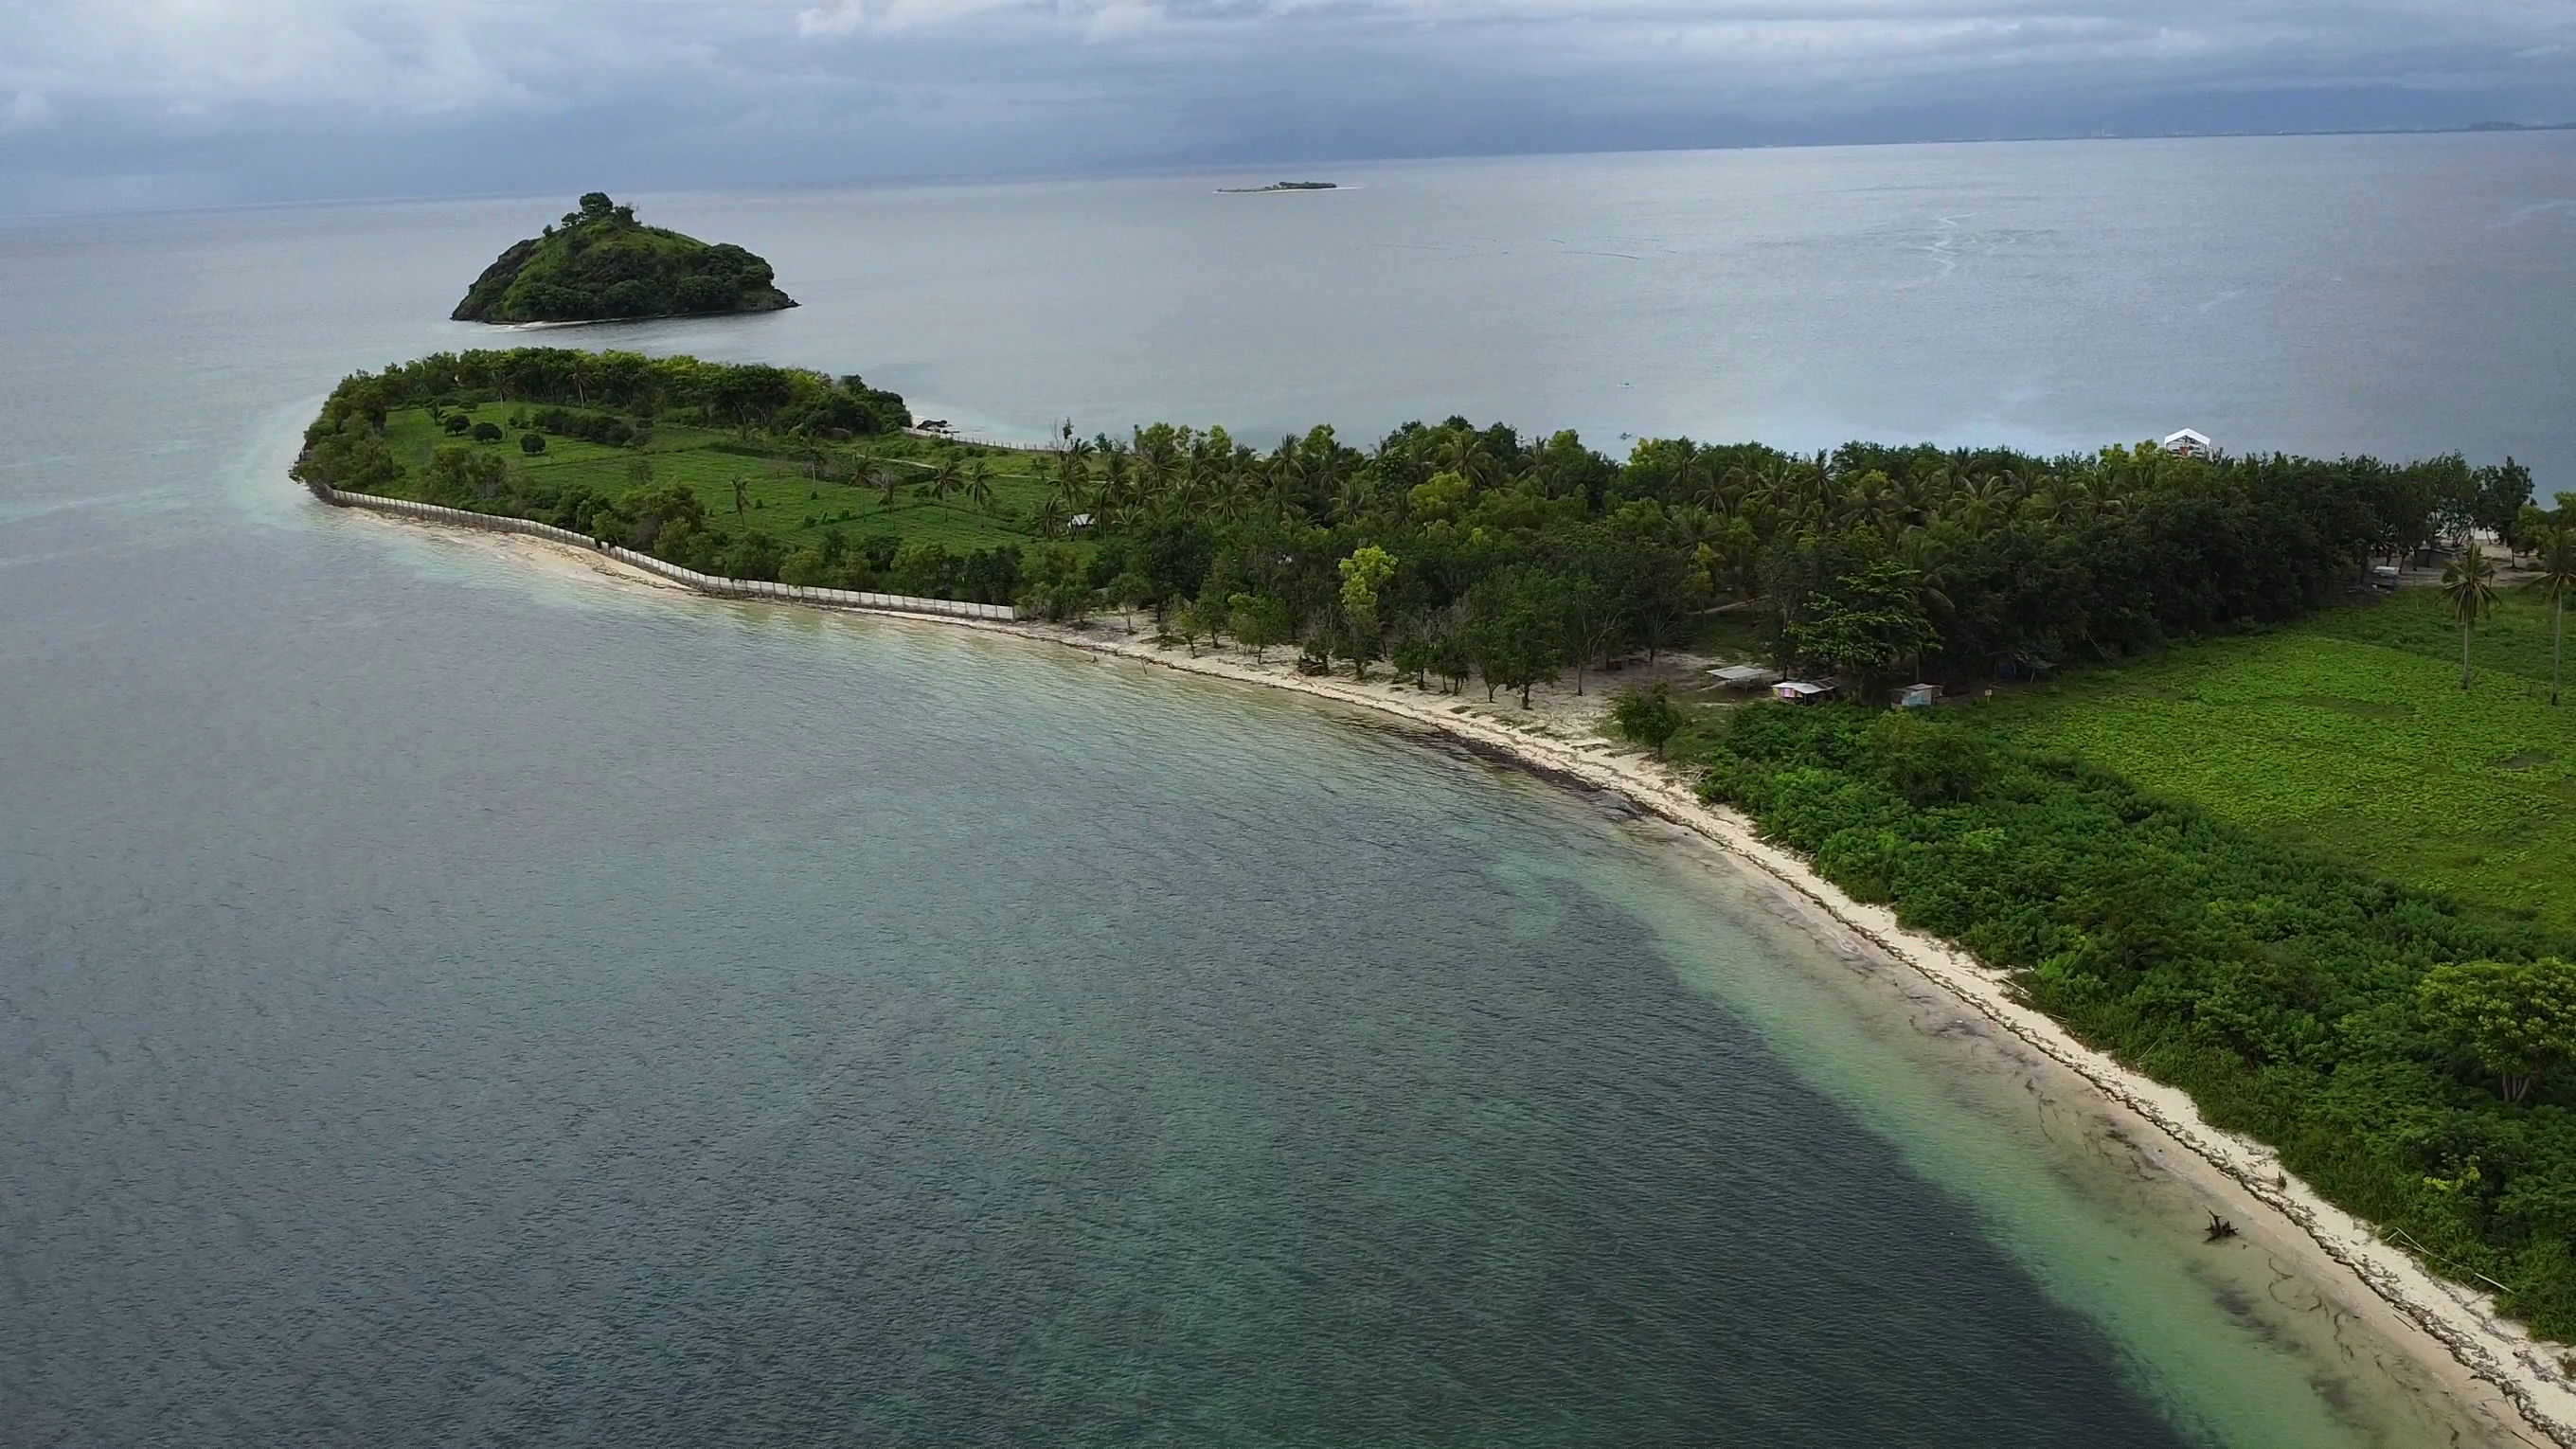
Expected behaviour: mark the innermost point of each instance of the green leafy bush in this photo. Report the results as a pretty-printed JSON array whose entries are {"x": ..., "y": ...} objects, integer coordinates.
[{"x": 2307, "y": 1004}]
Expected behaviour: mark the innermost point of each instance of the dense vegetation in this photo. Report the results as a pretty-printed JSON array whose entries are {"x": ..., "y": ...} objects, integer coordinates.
[
  {"x": 1447, "y": 548},
  {"x": 2348, "y": 1022},
  {"x": 755, "y": 472},
  {"x": 601, "y": 263},
  {"x": 2349, "y": 734}
]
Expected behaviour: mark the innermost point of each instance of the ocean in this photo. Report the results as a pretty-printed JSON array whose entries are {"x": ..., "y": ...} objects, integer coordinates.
[{"x": 446, "y": 1003}]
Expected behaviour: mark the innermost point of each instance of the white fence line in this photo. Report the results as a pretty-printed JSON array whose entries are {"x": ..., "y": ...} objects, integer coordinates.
[
  {"x": 716, "y": 584},
  {"x": 975, "y": 440}
]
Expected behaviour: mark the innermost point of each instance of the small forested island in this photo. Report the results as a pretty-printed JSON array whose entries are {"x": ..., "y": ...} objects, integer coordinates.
[
  {"x": 1278, "y": 186},
  {"x": 2363, "y": 967},
  {"x": 600, "y": 264}
]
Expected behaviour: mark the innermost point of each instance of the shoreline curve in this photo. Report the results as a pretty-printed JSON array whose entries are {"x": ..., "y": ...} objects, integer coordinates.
[{"x": 2536, "y": 1376}]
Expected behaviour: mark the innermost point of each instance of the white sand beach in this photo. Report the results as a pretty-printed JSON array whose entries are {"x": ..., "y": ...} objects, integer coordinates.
[{"x": 2522, "y": 1386}]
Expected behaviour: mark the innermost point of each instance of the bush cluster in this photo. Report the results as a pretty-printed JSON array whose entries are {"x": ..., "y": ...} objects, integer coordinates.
[{"x": 2325, "y": 1012}]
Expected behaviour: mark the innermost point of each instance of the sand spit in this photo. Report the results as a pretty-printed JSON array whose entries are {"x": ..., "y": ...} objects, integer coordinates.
[{"x": 2448, "y": 1328}]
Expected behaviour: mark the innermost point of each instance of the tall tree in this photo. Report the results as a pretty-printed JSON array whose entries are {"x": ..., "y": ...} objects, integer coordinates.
[
  {"x": 1257, "y": 621},
  {"x": 1519, "y": 631},
  {"x": 1592, "y": 623},
  {"x": 2518, "y": 1018},
  {"x": 1866, "y": 623},
  {"x": 946, "y": 478},
  {"x": 2557, "y": 559},
  {"x": 2468, "y": 585},
  {"x": 1364, "y": 577}
]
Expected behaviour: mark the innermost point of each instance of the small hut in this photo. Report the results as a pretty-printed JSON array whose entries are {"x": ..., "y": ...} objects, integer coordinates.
[
  {"x": 1803, "y": 691},
  {"x": 1744, "y": 676},
  {"x": 2189, "y": 443}
]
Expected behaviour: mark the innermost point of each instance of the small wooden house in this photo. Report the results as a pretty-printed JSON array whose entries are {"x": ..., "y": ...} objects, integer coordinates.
[{"x": 1802, "y": 691}]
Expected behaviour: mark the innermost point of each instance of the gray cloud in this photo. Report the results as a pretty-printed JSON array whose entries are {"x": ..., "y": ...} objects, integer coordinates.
[{"x": 120, "y": 101}]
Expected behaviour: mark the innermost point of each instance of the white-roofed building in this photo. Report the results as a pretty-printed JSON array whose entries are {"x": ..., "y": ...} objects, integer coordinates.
[{"x": 2189, "y": 443}]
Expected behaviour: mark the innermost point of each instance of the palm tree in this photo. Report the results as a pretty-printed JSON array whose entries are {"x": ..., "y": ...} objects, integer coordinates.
[
  {"x": 1157, "y": 458},
  {"x": 1464, "y": 453},
  {"x": 2469, "y": 585},
  {"x": 947, "y": 478},
  {"x": 2557, "y": 559},
  {"x": 1286, "y": 472},
  {"x": 1358, "y": 495},
  {"x": 1072, "y": 461},
  {"x": 979, "y": 485}
]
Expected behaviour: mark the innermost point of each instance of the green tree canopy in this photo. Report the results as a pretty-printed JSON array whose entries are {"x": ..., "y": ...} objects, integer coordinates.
[
  {"x": 2518, "y": 1018},
  {"x": 1648, "y": 717},
  {"x": 1866, "y": 623},
  {"x": 599, "y": 262}
]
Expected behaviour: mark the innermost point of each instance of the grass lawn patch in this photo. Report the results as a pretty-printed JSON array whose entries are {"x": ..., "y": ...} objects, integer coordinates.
[
  {"x": 789, "y": 494},
  {"x": 2350, "y": 735}
]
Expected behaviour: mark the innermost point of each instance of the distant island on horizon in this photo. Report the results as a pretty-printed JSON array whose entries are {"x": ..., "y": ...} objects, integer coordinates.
[
  {"x": 600, "y": 264},
  {"x": 1279, "y": 186}
]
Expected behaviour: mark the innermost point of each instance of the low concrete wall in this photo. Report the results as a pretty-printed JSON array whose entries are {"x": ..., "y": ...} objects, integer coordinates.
[{"x": 715, "y": 584}]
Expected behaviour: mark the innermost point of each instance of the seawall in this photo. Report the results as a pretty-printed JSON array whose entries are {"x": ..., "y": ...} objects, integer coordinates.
[
  {"x": 2435, "y": 1318},
  {"x": 716, "y": 585}
]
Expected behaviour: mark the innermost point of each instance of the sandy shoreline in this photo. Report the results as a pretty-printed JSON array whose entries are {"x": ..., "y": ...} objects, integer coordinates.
[{"x": 2451, "y": 1331}]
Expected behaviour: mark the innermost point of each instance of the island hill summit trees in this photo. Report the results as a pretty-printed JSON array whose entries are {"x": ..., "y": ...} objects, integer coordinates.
[{"x": 600, "y": 263}]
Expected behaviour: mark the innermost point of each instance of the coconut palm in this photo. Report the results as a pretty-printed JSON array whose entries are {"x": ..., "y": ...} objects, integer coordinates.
[
  {"x": 1072, "y": 462},
  {"x": 2557, "y": 560},
  {"x": 1158, "y": 457},
  {"x": 1110, "y": 498},
  {"x": 2469, "y": 586},
  {"x": 1286, "y": 473},
  {"x": 979, "y": 485},
  {"x": 946, "y": 478},
  {"x": 1464, "y": 453},
  {"x": 1356, "y": 498}
]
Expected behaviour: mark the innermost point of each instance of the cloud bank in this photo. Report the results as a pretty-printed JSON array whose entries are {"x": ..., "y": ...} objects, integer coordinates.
[{"x": 127, "y": 101}]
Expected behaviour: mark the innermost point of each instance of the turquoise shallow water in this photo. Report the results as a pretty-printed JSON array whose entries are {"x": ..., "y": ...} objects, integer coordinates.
[{"x": 444, "y": 1004}]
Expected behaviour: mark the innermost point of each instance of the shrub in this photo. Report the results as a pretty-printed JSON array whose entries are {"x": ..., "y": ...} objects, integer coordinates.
[
  {"x": 2312, "y": 1006},
  {"x": 1649, "y": 717},
  {"x": 532, "y": 442},
  {"x": 487, "y": 432}
]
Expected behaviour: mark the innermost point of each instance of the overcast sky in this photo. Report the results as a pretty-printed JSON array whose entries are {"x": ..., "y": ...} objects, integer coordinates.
[{"x": 110, "y": 103}]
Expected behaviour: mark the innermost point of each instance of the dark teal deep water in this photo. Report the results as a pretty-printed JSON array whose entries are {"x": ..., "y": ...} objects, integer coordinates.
[{"x": 444, "y": 1005}]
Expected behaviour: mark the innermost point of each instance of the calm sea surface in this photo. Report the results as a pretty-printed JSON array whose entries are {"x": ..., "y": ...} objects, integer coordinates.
[{"x": 441, "y": 1004}]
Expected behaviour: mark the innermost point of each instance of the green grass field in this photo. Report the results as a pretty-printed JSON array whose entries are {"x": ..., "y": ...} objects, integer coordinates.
[
  {"x": 783, "y": 499},
  {"x": 2349, "y": 735}
]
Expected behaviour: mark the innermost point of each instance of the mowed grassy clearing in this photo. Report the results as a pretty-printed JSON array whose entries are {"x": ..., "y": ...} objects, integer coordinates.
[
  {"x": 2349, "y": 735},
  {"x": 784, "y": 500}
]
